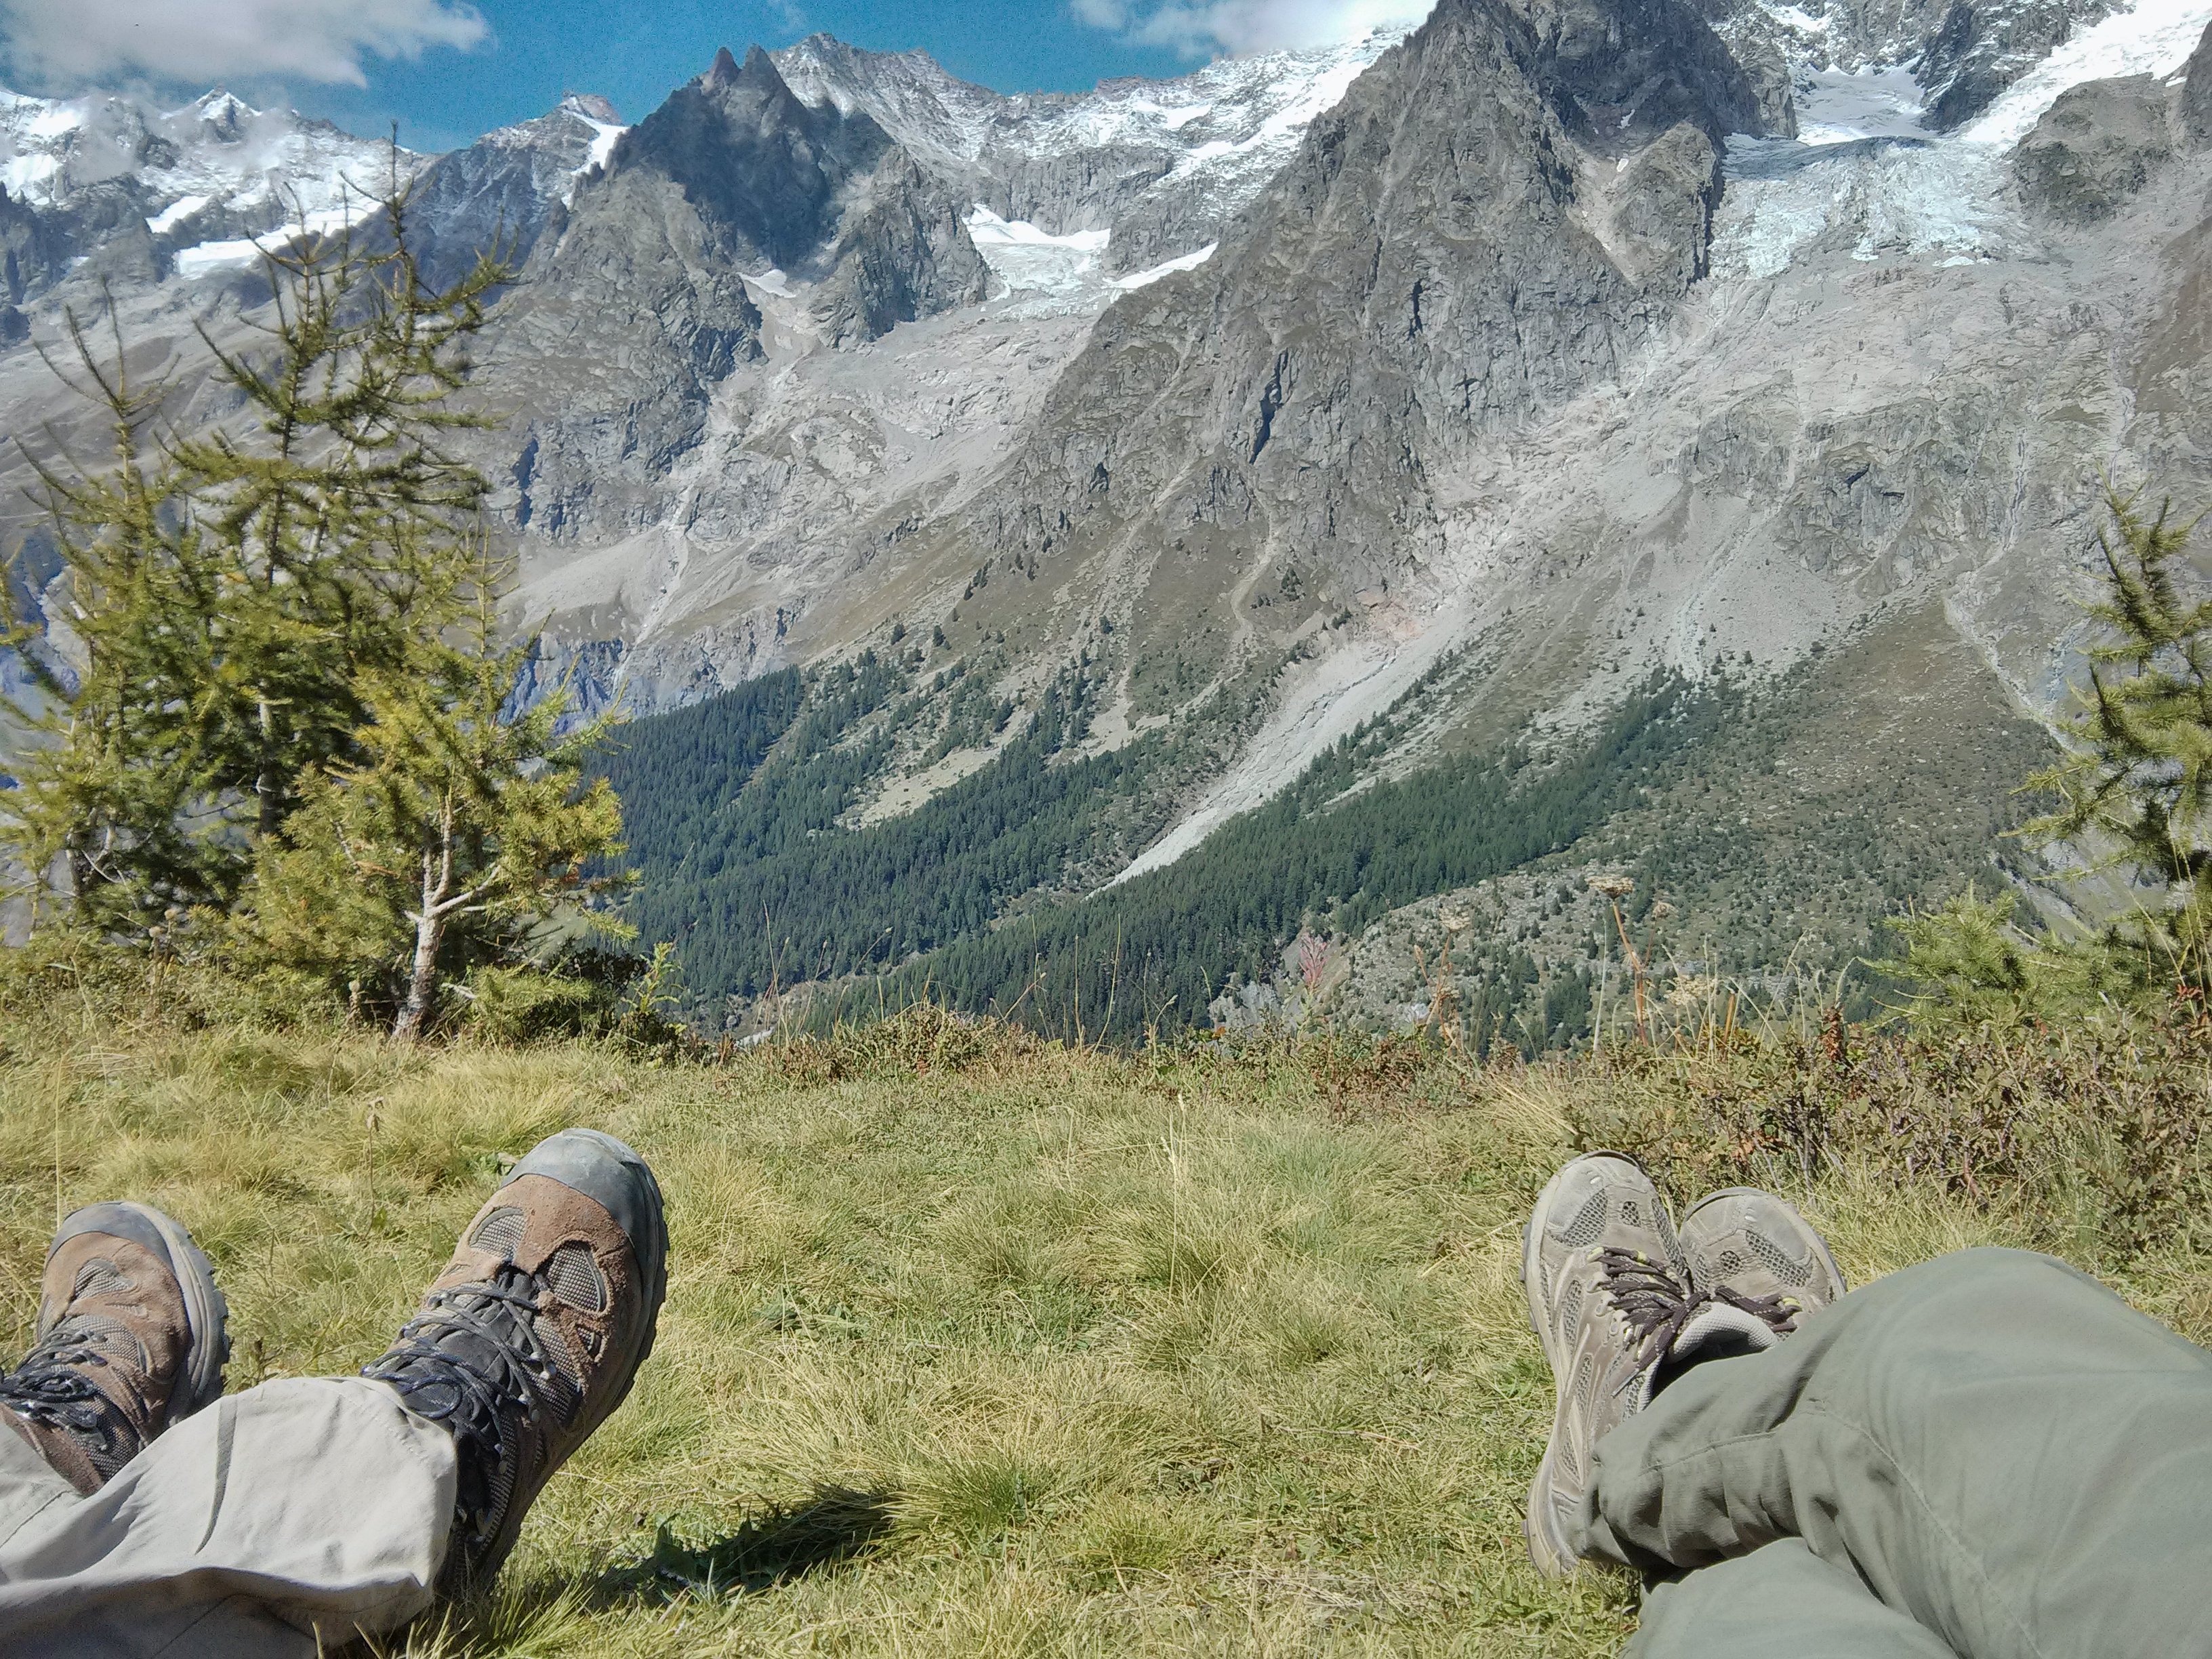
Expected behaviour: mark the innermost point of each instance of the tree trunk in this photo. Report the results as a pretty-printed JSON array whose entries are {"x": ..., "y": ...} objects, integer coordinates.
[
  {"x": 429, "y": 932},
  {"x": 422, "y": 984}
]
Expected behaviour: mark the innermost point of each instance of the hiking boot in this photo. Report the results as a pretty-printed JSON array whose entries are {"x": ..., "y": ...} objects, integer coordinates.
[
  {"x": 534, "y": 1332},
  {"x": 1607, "y": 1295},
  {"x": 130, "y": 1339},
  {"x": 1752, "y": 1251}
]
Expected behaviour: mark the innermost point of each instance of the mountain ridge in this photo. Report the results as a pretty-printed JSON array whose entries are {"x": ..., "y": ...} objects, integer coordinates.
[{"x": 1568, "y": 344}]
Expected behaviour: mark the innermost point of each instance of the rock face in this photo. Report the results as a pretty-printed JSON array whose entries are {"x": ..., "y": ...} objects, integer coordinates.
[
  {"x": 1474, "y": 236},
  {"x": 1982, "y": 46},
  {"x": 2095, "y": 148},
  {"x": 2196, "y": 93},
  {"x": 503, "y": 191},
  {"x": 1551, "y": 344}
]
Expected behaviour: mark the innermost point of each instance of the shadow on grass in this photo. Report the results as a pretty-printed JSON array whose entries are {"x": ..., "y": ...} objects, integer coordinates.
[
  {"x": 764, "y": 1551},
  {"x": 770, "y": 1548}
]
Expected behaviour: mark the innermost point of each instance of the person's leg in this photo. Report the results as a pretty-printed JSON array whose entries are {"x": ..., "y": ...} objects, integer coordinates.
[
  {"x": 306, "y": 1506},
  {"x": 1999, "y": 1447},
  {"x": 303, "y": 1513},
  {"x": 1781, "y": 1599}
]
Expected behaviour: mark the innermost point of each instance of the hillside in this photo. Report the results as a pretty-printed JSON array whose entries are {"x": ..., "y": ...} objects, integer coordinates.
[
  {"x": 980, "y": 1345},
  {"x": 1113, "y": 468}
]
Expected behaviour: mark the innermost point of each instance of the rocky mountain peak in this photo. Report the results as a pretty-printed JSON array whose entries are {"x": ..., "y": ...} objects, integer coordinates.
[
  {"x": 224, "y": 116},
  {"x": 762, "y": 170},
  {"x": 592, "y": 107}
]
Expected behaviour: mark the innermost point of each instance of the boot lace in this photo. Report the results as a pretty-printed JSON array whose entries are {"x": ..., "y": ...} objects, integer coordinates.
[
  {"x": 50, "y": 1386},
  {"x": 1779, "y": 1312},
  {"x": 473, "y": 1360},
  {"x": 1650, "y": 1300}
]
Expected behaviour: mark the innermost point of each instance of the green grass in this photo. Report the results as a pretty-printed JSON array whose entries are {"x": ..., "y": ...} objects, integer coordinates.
[{"x": 972, "y": 1345}]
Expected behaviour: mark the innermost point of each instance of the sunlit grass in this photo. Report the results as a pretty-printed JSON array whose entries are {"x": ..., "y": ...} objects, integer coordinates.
[{"x": 1028, "y": 1353}]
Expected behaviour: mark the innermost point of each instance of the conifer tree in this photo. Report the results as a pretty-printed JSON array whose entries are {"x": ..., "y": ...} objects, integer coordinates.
[
  {"x": 458, "y": 829},
  {"x": 2139, "y": 781},
  {"x": 228, "y": 596}
]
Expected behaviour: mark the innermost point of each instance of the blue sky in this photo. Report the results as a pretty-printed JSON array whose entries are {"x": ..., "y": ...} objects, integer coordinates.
[
  {"x": 635, "y": 53},
  {"x": 448, "y": 69}
]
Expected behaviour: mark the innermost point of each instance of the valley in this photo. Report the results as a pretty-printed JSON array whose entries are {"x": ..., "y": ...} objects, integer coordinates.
[{"x": 1185, "y": 466}]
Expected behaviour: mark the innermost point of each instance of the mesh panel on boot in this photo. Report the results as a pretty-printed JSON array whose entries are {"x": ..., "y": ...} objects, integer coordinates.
[
  {"x": 573, "y": 1274},
  {"x": 1777, "y": 1260},
  {"x": 98, "y": 1277},
  {"x": 1589, "y": 1223},
  {"x": 499, "y": 1232}
]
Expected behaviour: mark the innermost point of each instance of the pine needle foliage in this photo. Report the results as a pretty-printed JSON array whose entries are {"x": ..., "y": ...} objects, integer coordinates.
[
  {"x": 2138, "y": 784},
  {"x": 459, "y": 831},
  {"x": 228, "y": 596}
]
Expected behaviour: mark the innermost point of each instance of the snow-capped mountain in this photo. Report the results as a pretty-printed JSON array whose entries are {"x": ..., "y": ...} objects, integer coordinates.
[
  {"x": 1553, "y": 344},
  {"x": 1159, "y": 166},
  {"x": 187, "y": 189}
]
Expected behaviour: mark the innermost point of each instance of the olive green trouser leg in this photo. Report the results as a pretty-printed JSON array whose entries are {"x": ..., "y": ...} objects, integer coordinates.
[
  {"x": 1780, "y": 1602},
  {"x": 1997, "y": 1446}
]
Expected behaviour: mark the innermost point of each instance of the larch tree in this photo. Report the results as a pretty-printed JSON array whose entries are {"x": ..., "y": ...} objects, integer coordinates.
[{"x": 226, "y": 596}]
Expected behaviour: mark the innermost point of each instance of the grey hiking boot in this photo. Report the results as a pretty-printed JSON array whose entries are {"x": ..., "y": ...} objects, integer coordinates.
[
  {"x": 1607, "y": 1295},
  {"x": 130, "y": 1339},
  {"x": 533, "y": 1334},
  {"x": 1752, "y": 1251}
]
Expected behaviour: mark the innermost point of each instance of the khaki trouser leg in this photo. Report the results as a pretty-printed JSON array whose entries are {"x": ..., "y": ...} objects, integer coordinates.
[
  {"x": 1781, "y": 1601},
  {"x": 301, "y": 1508},
  {"x": 1997, "y": 1446}
]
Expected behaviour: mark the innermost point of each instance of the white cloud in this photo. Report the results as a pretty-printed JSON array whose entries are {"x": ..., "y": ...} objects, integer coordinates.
[
  {"x": 196, "y": 41},
  {"x": 1201, "y": 27}
]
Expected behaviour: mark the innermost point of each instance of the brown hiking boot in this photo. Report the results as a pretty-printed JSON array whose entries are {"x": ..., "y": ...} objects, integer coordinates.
[
  {"x": 1753, "y": 1251},
  {"x": 130, "y": 1339},
  {"x": 533, "y": 1334}
]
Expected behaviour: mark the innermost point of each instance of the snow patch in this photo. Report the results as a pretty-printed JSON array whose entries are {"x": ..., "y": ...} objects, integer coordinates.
[
  {"x": 175, "y": 213},
  {"x": 2155, "y": 38},
  {"x": 1028, "y": 258},
  {"x": 1146, "y": 278},
  {"x": 204, "y": 258}
]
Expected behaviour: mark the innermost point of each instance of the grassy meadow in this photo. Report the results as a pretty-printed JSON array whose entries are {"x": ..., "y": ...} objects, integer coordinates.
[{"x": 978, "y": 1345}]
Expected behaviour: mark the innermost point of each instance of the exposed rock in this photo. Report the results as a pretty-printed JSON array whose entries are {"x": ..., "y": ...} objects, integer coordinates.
[
  {"x": 1982, "y": 46},
  {"x": 762, "y": 172},
  {"x": 2094, "y": 148},
  {"x": 501, "y": 193},
  {"x": 901, "y": 254},
  {"x": 1661, "y": 221},
  {"x": 1632, "y": 69},
  {"x": 1424, "y": 274},
  {"x": 2196, "y": 93}
]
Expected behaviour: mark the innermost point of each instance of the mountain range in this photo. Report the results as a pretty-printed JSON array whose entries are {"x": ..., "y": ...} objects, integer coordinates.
[{"x": 1399, "y": 417}]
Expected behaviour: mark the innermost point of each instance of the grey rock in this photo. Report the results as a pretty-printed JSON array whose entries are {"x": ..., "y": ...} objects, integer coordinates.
[
  {"x": 2196, "y": 93},
  {"x": 1982, "y": 46},
  {"x": 902, "y": 253},
  {"x": 1433, "y": 268},
  {"x": 498, "y": 197},
  {"x": 2094, "y": 148}
]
